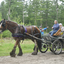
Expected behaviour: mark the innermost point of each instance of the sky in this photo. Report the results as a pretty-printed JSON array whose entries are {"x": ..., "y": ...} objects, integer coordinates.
[
  {"x": 25, "y": 0},
  {"x": 1, "y": 1}
]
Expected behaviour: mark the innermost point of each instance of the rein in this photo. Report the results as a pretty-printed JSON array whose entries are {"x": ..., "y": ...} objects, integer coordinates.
[
  {"x": 17, "y": 31},
  {"x": 19, "y": 34},
  {"x": 33, "y": 36}
]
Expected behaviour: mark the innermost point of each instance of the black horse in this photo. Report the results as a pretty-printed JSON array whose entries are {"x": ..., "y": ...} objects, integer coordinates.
[{"x": 19, "y": 33}]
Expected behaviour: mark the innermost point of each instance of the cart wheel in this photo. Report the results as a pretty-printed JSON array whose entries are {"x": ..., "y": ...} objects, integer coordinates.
[
  {"x": 57, "y": 47},
  {"x": 44, "y": 48},
  {"x": 51, "y": 50}
]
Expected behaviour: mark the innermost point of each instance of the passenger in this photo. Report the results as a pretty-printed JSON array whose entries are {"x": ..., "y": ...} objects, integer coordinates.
[
  {"x": 55, "y": 28},
  {"x": 61, "y": 26},
  {"x": 62, "y": 29},
  {"x": 42, "y": 30}
]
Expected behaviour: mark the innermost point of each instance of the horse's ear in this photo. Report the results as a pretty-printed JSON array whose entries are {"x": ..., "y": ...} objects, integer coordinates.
[{"x": 3, "y": 19}]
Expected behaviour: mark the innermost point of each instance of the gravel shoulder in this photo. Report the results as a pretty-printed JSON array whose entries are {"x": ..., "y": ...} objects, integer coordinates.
[{"x": 41, "y": 58}]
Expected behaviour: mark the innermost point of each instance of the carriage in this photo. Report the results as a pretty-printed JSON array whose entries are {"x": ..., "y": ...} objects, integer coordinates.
[{"x": 55, "y": 44}]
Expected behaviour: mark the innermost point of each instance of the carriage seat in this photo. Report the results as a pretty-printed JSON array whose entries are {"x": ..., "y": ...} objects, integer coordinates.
[{"x": 58, "y": 33}]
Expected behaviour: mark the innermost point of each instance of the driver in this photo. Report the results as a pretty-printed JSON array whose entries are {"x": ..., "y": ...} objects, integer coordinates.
[{"x": 55, "y": 28}]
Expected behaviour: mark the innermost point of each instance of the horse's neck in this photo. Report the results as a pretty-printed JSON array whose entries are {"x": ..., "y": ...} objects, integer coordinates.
[{"x": 11, "y": 26}]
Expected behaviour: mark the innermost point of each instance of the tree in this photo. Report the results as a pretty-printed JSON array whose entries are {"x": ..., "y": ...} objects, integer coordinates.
[{"x": 3, "y": 10}]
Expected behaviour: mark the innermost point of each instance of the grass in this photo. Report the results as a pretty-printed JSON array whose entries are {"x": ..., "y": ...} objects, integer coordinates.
[{"x": 7, "y": 44}]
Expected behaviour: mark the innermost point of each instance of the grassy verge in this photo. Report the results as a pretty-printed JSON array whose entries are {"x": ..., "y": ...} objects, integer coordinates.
[{"x": 6, "y": 45}]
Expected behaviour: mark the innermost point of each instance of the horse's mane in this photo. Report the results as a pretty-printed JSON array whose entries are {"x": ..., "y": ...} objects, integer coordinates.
[
  {"x": 14, "y": 23},
  {"x": 11, "y": 22}
]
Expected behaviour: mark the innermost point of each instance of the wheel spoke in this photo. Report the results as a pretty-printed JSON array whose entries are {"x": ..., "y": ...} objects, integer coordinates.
[
  {"x": 57, "y": 47},
  {"x": 44, "y": 48}
]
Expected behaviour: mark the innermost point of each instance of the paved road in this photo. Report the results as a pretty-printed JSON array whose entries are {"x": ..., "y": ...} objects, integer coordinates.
[{"x": 41, "y": 58}]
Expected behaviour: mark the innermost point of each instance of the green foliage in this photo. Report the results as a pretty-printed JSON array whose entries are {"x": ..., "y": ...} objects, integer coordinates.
[
  {"x": 7, "y": 46},
  {"x": 6, "y": 34},
  {"x": 36, "y": 12},
  {"x": 0, "y": 16}
]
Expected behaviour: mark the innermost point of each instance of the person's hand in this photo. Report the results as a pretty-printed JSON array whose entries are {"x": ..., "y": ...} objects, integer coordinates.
[
  {"x": 47, "y": 27},
  {"x": 52, "y": 27}
]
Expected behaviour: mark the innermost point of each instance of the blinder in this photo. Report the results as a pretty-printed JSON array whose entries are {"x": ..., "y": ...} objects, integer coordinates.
[{"x": 3, "y": 24}]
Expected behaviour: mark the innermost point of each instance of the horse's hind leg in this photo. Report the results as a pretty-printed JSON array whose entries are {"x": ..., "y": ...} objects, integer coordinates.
[
  {"x": 12, "y": 53},
  {"x": 35, "y": 48},
  {"x": 20, "y": 50}
]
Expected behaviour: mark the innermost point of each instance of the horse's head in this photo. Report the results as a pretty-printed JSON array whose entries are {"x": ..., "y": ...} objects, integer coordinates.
[{"x": 2, "y": 26}]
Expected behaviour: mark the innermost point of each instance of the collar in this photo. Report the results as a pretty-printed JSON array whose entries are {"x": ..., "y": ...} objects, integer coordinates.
[{"x": 25, "y": 30}]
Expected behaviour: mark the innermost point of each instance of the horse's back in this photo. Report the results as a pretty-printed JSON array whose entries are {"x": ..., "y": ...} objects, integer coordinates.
[{"x": 31, "y": 29}]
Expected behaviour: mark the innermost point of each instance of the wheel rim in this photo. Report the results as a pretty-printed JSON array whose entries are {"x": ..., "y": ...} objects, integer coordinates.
[
  {"x": 57, "y": 47},
  {"x": 44, "y": 47}
]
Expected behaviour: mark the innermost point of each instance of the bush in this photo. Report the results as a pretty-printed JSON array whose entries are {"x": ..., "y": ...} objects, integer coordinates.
[{"x": 6, "y": 33}]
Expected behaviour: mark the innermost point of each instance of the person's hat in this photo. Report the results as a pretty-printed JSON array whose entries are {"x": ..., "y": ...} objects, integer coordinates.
[{"x": 60, "y": 23}]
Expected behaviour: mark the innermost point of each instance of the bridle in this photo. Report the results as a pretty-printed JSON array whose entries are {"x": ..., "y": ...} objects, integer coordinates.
[{"x": 3, "y": 24}]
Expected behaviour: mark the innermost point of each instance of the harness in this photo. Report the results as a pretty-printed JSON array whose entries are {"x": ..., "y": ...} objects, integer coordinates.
[
  {"x": 24, "y": 34},
  {"x": 3, "y": 24},
  {"x": 19, "y": 34},
  {"x": 25, "y": 30}
]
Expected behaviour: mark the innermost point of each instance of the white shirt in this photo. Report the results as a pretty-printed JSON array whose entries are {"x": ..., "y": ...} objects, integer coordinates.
[{"x": 62, "y": 29}]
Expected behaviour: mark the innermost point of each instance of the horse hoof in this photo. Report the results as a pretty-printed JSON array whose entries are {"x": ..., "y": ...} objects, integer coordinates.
[
  {"x": 34, "y": 53},
  {"x": 20, "y": 54},
  {"x": 13, "y": 55}
]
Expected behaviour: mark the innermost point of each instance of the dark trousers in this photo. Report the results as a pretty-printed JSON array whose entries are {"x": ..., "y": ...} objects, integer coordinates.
[{"x": 52, "y": 32}]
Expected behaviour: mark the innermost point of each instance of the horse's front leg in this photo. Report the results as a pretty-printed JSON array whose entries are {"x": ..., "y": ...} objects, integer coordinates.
[
  {"x": 20, "y": 50},
  {"x": 35, "y": 48},
  {"x": 12, "y": 53}
]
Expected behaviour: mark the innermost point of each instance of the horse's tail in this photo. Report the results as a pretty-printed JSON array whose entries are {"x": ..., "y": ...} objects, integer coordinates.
[{"x": 39, "y": 42}]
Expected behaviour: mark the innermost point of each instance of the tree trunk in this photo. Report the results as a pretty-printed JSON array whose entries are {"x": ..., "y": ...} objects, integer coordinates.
[
  {"x": 9, "y": 10},
  {"x": 57, "y": 10},
  {"x": 9, "y": 14}
]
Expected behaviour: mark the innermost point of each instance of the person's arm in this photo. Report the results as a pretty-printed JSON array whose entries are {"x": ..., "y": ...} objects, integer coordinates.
[
  {"x": 62, "y": 29},
  {"x": 45, "y": 28}
]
